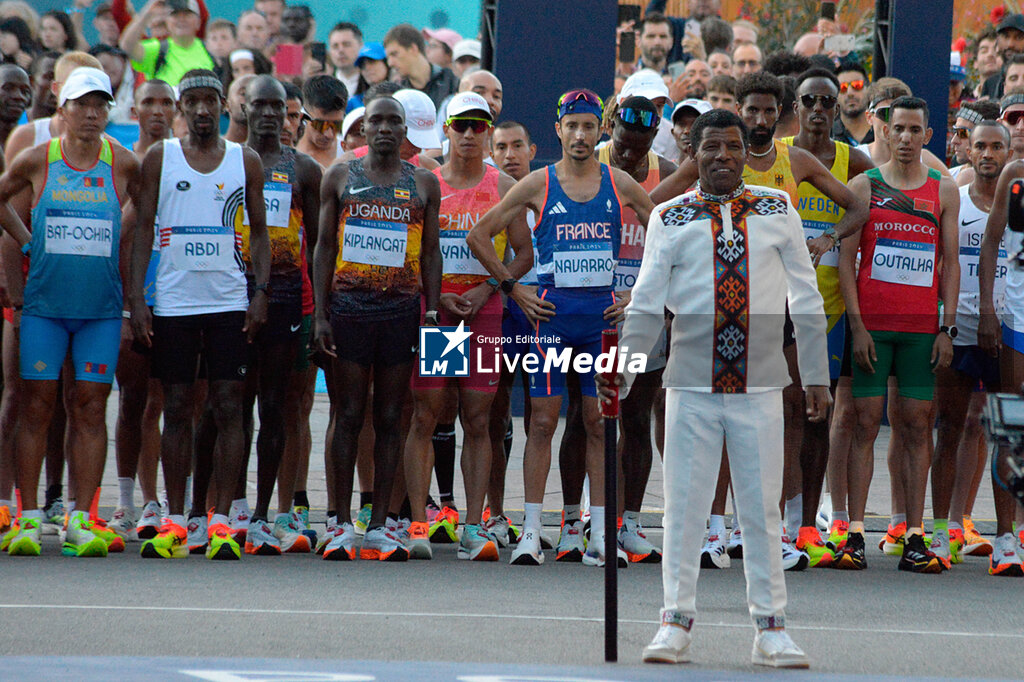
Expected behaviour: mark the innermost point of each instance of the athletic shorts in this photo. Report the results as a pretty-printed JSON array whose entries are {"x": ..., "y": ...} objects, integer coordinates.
[
  {"x": 977, "y": 364},
  {"x": 908, "y": 356},
  {"x": 1013, "y": 339},
  {"x": 284, "y": 322},
  {"x": 484, "y": 345},
  {"x": 577, "y": 324},
  {"x": 180, "y": 341},
  {"x": 377, "y": 343},
  {"x": 837, "y": 339},
  {"x": 94, "y": 348},
  {"x": 302, "y": 353}
]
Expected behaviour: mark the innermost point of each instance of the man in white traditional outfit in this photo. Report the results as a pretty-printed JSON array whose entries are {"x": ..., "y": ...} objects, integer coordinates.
[{"x": 728, "y": 274}]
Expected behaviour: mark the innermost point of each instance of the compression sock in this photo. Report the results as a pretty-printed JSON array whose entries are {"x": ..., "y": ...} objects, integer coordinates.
[
  {"x": 300, "y": 499},
  {"x": 444, "y": 461}
]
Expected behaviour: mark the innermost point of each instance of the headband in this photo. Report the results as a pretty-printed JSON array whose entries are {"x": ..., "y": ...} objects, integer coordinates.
[
  {"x": 200, "y": 82},
  {"x": 579, "y": 106},
  {"x": 1008, "y": 101},
  {"x": 239, "y": 55},
  {"x": 969, "y": 115}
]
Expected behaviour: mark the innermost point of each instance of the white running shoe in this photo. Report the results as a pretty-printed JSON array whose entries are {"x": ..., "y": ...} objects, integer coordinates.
[
  {"x": 150, "y": 521},
  {"x": 775, "y": 648},
  {"x": 570, "y": 542},
  {"x": 123, "y": 523},
  {"x": 498, "y": 527},
  {"x": 288, "y": 533},
  {"x": 792, "y": 558},
  {"x": 735, "y": 546},
  {"x": 340, "y": 543},
  {"x": 714, "y": 553},
  {"x": 637, "y": 547},
  {"x": 823, "y": 518},
  {"x": 259, "y": 539},
  {"x": 528, "y": 551},
  {"x": 594, "y": 556},
  {"x": 198, "y": 535},
  {"x": 381, "y": 545},
  {"x": 940, "y": 544},
  {"x": 238, "y": 520},
  {"x": 671, "y": 643},
  {"x": 331, "y": 526},
  {"x": 476, "y": 545}
]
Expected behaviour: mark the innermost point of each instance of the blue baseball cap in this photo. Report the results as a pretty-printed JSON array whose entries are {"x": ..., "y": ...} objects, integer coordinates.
[{"x": 371, "y": 51}]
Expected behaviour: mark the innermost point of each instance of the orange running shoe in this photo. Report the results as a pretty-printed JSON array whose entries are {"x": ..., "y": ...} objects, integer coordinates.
[
  {"x": 892, "y": 543},
  {"x": 974, "y": 543}
]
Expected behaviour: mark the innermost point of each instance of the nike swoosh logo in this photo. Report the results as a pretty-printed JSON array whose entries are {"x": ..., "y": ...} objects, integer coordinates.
[
  {"x": 296, "y": 327},
  {"x": 361, "y": 189},
  {"x": 965, "y": 223},
  {"x": 493, "y": 383}
]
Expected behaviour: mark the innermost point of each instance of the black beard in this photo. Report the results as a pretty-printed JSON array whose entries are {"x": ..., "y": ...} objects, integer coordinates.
[{"x": 758, "y": 138}]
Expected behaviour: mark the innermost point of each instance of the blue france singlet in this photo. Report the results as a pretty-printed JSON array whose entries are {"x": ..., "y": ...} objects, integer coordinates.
[
  {"x": 76, "y": 236},
  {"x": 578, "y": 244}
]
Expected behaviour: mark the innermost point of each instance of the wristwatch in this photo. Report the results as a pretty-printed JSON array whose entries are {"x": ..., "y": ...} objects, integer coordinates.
[
  {"x": 951, "y": 332},
  {"x": 494, "y": 284},
  {"x": 432, "y": 318},
  {"x": 508, "y": 285}
]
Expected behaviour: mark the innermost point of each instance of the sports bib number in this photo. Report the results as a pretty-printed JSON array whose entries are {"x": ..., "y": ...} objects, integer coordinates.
[
  {"x": 202, "y": 249},
  {"x": 456, "y": 255},
  {"x": 375, "y": 242},
  {"x": 903, "y": 262},
  {"x": 79, "y": 233},
  {"x": 584, "y": 264},
  {"x": 814, "y": 229},
  {"x": 277, "y": 199}
]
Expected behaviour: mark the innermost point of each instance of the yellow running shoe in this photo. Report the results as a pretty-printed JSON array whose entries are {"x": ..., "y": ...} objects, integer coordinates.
[
  {"x": 809, "y": 542},
  {"x": 115, "y": 543},
  {"x": 80, "y": 540},
  {"x": 25, "y": 538},
  {"x": 837, "y": 536},
  {"x": 171, "y": 542},
  {"x": 222, "y": 545},
  {"x": 892, "y": 543}
]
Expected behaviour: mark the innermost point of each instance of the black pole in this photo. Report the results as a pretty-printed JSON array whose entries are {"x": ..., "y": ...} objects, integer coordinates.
[{"x": 610, "y": 412}]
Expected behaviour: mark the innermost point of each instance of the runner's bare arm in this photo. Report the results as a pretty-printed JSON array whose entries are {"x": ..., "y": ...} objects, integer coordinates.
[
  {"x": 430, "y": 244},
  {"x": 862, "y": 345},
  {"x": 326, "y": 254},
  {"x": 859, "y": 163},
  {"x": 259, "y": 242},
  {"x": 677, "y": 183},
  {"x": 519, "y": 237},
  {"x": 807, "y": 168},
  {"x": 142, "y": 243},
  {"x": 988, "y": 325},
  {"x": 309, "y": 175},
  {"x": 634, "y": 195},
  {"x": 17, "y": 178},
  {"x": 127, "y": 175}
]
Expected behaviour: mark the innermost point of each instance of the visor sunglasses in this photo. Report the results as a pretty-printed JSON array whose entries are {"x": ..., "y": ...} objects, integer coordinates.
[
  {"x": 324, "y": 127},
  {"x": 461, "y": 125},
  {"x": 961, "y": 132},
  {"x": 1012, "y": 118},
  {"x": 856, "y": 86},
  {"x": 567, "y": 101},
  {"x": 827, "y": 101},
  {"x": 647, "y": 119}
]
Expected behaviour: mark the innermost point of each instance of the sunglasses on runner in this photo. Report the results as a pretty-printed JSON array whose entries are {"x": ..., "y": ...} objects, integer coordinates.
[
  {"x": 882, "y": 112},
  {"x": 461, "y": 125},
  {"x": 856, "y": 86},
  {"x": 581, "y": 101},
  {"x": 827, "y": 101},
  {"x": 321, "y": 126},
  {"x": 961, "y": 132},
  {"x": 647, "y": 119},
  {"x": 1013, "y": 117}
]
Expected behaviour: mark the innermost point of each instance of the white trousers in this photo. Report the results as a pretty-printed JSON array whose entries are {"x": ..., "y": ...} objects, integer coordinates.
[{"x": 695, "y": 426}]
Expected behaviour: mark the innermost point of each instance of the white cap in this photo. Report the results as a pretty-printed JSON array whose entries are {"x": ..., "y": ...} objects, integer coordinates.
[
  {"x": 420, "y": 118},
  {"x": 466, "y": 48},
  {"x": 82, "y": 81},
  {"x": 698, "y": 105},
  {"x": 644, "y": 83},
  {"x": 351, "y": 118},
  {"x": 465, "y": 102}
]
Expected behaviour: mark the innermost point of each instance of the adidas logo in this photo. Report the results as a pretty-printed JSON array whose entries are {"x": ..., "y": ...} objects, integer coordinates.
[{"x": 557, "y": 208}]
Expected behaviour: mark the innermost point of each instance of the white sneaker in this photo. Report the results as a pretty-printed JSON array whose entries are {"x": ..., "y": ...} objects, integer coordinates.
[
  {"x": 823, "y": 518},
  {"x": 775, "y": 648},
  {"x": 528, "y": 551},
  {"x": 1005, "y": 559},
  {"x": 331, "y": 525},
  {"x": 637, "y": 547},
  {"x": 123, "y": 523},
  {"x": 735, "y": 546},
  {"x": 940, "y": 544},
  {"x": 792, "y": 558},
  {"x": 570, "y": 542},
  {"x": 238, "y": 520},
  {"x": 198, "y": 535},
  {"x": 259, "y": 539},
  {"x": 714, "y": 554},
  {"x": 498, "y": 528},
  {"x": 288, "y": 533},
  {"x": 671, "y": 644},
  {"x": 476, "y": 545},
  {"x": 340, "y": 543},
  {"x": 594, "y": 556},
  {"x": 150, "y": 521}
]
